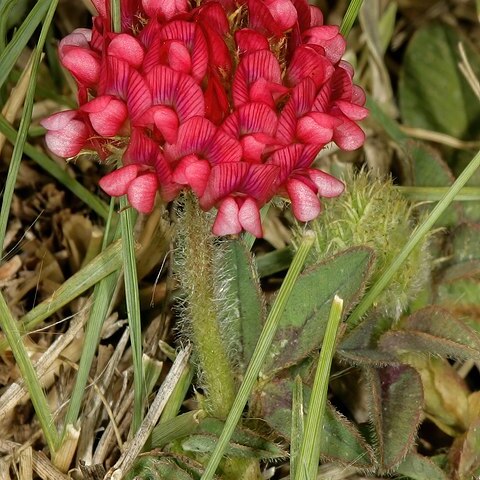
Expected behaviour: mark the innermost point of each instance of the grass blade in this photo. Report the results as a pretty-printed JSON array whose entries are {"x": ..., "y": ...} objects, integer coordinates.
[
  {"x": 10, "y": 329},
  {"x": 24, "y": 123},
  {"x": 259, "y": 354},
  {"x": 297, "y": 426},
  {"x": 101, "y": 266},
  {"x": 101, "y": 300},
  {"x": 133, "y": 310},
  {"x": 97, "y": 205},
  {"x": 350, "y": 16},
  {"x": 15, "y": 47},
  {"x": 309, "y": 457},
  {"x": 434, "y": 194},
  {"x": 368, "y": 300}
]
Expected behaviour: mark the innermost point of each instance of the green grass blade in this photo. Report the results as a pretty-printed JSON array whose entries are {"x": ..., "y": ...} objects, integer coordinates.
[
  {"x": 10, "y": 329},
  {"x": 422, "y": 230},
  {"x": 97, "y": 205},
  {"x": 5, "y": 9},
  {"x": 350, "y": 16},
  {"x": 133, "y": 310},
  {"x": 15, "y": 47},
  {"x": 101, "y": 266},
  {"x": 258, "y": 357},
  {"x": 101, "y": 299},
  {"x": 309, "y": 457},
  {"x": 297, "y": 425},
  {"x": 434, "y": 194},
  {"x": 24, "y": 124}
]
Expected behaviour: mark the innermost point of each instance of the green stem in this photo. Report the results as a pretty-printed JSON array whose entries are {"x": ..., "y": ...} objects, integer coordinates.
[
  {"x": 199, "y": 280},
  {"x": 263, "y": 345}
]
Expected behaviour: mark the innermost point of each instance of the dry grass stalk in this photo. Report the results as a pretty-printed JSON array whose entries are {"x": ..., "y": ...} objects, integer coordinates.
[{"x": 134, "y": 446}]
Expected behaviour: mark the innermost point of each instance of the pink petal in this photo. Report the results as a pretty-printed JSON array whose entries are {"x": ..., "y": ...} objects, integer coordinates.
[
  {"x": 214, "y": 14},
  {"x": 308, "y": 63},
  {"x": 194, "y": 136},
  {"x": 286, "y": 160},
  {"x": 259, "y": 182},
  {"x": 141, "y": 150},
  {"x": 165, "y": 9},
  {"x": 216, "y": 100},
  {"x": 106, "y": 114},
  {"x": 261, "y": 19},
  {"x": 305, "y": 203},
  {"x": 248, "y": 40},
  {"x": 223, "y": 149},
  {"x": 219, "y": 57},
  {"x": 69, "y": 140},
  {"x": 193, "y": 172},
  {"x": 177, "y": 90},
  {"x": 316, "y": 16},
  {"x": 192, "y": 37},
  {"x": 163, "y": 170},
  {"x": 348, "y": 136},
  {"x": 266, "y": 92},
  {"x": 352, "y": 111},
  {"x": 116, "y": 183},
  {"x": 59, "y": 120},
  {"x": 115, "y": 77},
  {"x": 127, "y": 48},
  {"x": 314, "y": 129},
  {"x": 139, "y": 98},
  {"x": 179, "y": 57},
  {"x": 141, "y": 192},
  {"x": 358, "y": 95},
  {"x": 328, "y": 37},
  {"x": 328, "y": 186},
  {"x": 255, "y": 65},
  {"x": 101, "y": 7},
  {"x": 283, "y": 12},
  {"x": 80, "y": 37},
  {"x": 257, "y": 118},
  {"x": 249, "y": 218},
  {"x": 252, "y": 149},
  {"x": 166, "y": 121},
  {"x": 224, "y": 179},
  {"x": 83, "y": 64},
  {"x": 227, "y": 222}
]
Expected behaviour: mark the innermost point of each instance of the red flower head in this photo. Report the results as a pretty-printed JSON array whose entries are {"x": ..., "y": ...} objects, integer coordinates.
[{"x": 232, "y": 99}]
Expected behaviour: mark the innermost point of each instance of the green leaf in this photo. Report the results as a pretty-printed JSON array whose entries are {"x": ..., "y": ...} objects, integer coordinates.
[
  {"x": 157, "y": 468},
  {"x": 418, "y": 467},
  {"x": 396, "y": 402},
  {"x": 359, "y": 346},
  {"x": 466, "y": 246},
  {"x": 429, "y": 170},
  {"x": 469, "y": 454},
  {"x": 342, "y": 442},
  {"x": 244, "y": 443},
  {"x": 303, "y": 322},
  {"x": 244, "y": 292},
  {"x": 435, "y": 331},
  {"x": 433, "y": 92}
]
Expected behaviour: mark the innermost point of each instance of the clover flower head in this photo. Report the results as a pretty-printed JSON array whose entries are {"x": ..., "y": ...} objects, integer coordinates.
[{"x": 232, "y": 99}]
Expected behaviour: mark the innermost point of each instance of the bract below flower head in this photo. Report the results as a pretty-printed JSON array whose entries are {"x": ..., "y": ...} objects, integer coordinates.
[{"x": 232, "y": 99}]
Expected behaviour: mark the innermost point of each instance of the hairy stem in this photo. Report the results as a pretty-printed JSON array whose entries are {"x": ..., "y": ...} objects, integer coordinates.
[{"x": 198, "y": 277}]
